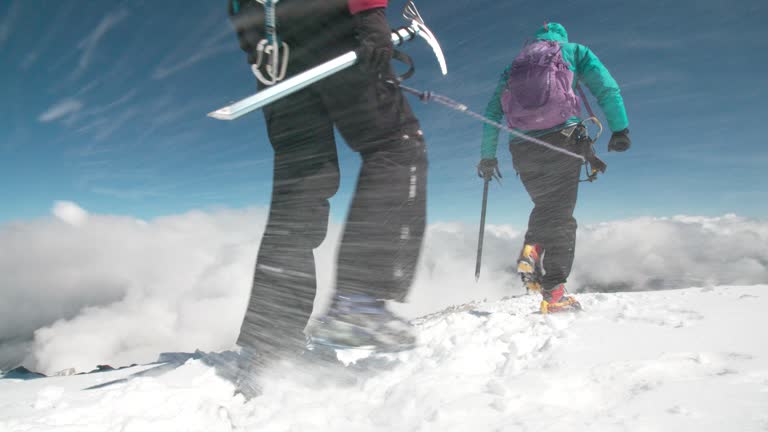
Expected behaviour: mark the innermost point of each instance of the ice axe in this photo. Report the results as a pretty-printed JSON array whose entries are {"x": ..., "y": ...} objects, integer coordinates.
[{"x": 416, "y": 27}]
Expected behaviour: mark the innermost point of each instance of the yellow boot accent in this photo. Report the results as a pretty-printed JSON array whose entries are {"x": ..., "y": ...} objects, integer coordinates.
[
  {"x": 533, "y": 286},
  {"x": 524, "y": 267},
  {"x": 529, "y": 252},
  {"x": 544, "y": 307},
  {"x": 565, "y": 303}
]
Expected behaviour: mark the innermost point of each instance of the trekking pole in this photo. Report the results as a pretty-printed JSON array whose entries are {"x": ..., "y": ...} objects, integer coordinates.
[{"x": 482, "y": 230}]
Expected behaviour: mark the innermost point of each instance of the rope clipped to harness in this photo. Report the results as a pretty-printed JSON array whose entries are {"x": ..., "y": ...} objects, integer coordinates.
[
  {"x": 406, "y": 60},
  {"x": 593, "y": 165},
  {"x": 428, "y": 96}
]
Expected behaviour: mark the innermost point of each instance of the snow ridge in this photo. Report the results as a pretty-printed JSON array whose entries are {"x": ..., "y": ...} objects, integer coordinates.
[{"x": 665, "y": 360}]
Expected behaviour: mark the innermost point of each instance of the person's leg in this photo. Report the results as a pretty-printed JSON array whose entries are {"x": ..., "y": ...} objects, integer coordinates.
[
  {"x": 305, "y": 176},
  {"x": 552, "y": 181},
  {"x": 385, "y": 226}
]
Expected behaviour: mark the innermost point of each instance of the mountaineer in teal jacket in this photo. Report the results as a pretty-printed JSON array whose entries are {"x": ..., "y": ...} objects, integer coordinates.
[{"x": 552, "y": 178}]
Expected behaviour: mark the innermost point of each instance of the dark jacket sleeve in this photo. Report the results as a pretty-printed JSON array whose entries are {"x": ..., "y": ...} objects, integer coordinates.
[{"x": 356, "y": 6}]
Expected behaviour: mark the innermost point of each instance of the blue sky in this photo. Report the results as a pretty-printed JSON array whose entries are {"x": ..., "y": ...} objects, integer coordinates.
[{"x": 105, "y": 102}]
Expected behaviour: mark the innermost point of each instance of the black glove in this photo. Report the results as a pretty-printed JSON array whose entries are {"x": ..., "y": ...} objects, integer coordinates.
[
  {"x": 375, "y": 36},
  {"x": 487, "y": 169},
  {"x": 619, "y": 141}
]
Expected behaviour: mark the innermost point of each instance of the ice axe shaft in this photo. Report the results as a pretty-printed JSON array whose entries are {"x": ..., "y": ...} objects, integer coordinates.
[{"x": 278, "y": 91}]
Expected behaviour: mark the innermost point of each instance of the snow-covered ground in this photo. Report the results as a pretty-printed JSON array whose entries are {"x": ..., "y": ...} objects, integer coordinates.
[{"x": 682, "y": 360}]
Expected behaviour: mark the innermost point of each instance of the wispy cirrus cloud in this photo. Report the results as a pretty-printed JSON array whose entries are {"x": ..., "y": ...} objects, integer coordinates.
[
  {"x": 643, "y": 81},
  {"x": 29, "y": 60},
  {"x": 61, "y": 109},
  {"x": 105, "y": 126},
  {"x": 7, "y": 22},
  {"x": 122, "y": 100},
  {"x": 130, "y": 194},
  {"x": 88, "y": 45},
  {"x": 72, "y": 113},
  {"x": 220, "y": 42}
]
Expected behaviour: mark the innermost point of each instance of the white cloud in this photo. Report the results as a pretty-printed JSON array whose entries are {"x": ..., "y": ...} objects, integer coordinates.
[
  {"x": 70, "y": 213},
  {"x": 115, "y": 290},
  {"x": 60, "y": 109},
  {"x": 654, "y": 253}
]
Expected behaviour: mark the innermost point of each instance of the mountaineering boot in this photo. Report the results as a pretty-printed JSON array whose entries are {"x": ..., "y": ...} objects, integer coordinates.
[
  {"x": 529, "y": 266},
  {"x": 556, "y": 300},
  {"x": 245, "y": 373},
  {"x": 362, "y": 322}
]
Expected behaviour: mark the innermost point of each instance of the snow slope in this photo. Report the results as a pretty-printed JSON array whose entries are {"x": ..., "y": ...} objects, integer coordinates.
[{"x": 683, "y": 360}]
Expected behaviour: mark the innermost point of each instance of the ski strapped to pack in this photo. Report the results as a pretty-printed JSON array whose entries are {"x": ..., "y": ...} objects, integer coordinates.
[{"x": 285, "y": 87}]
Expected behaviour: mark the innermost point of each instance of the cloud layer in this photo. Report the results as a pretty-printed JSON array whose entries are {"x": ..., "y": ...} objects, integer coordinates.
[{"x": 83, "y": 289}]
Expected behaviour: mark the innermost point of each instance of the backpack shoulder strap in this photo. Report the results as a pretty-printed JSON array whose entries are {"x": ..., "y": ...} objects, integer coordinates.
[{"x": 584, "y": 98}]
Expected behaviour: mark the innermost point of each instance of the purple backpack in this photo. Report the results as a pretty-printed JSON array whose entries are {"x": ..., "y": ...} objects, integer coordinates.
[{"x": 539, "y": 93}]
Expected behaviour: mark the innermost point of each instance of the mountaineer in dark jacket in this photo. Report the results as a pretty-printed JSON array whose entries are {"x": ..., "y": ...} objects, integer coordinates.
[{"x": 385, "y": 225}]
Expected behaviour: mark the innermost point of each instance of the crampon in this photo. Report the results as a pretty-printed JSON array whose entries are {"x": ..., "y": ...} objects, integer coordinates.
[{"x": 556, "y": 300}]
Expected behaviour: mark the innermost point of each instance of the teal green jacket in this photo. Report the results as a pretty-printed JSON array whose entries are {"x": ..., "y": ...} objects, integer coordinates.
[{"x": 586, "y": 68}]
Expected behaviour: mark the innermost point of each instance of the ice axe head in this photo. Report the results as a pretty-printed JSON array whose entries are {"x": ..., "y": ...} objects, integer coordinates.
[{"x": 411, "y": 14}]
